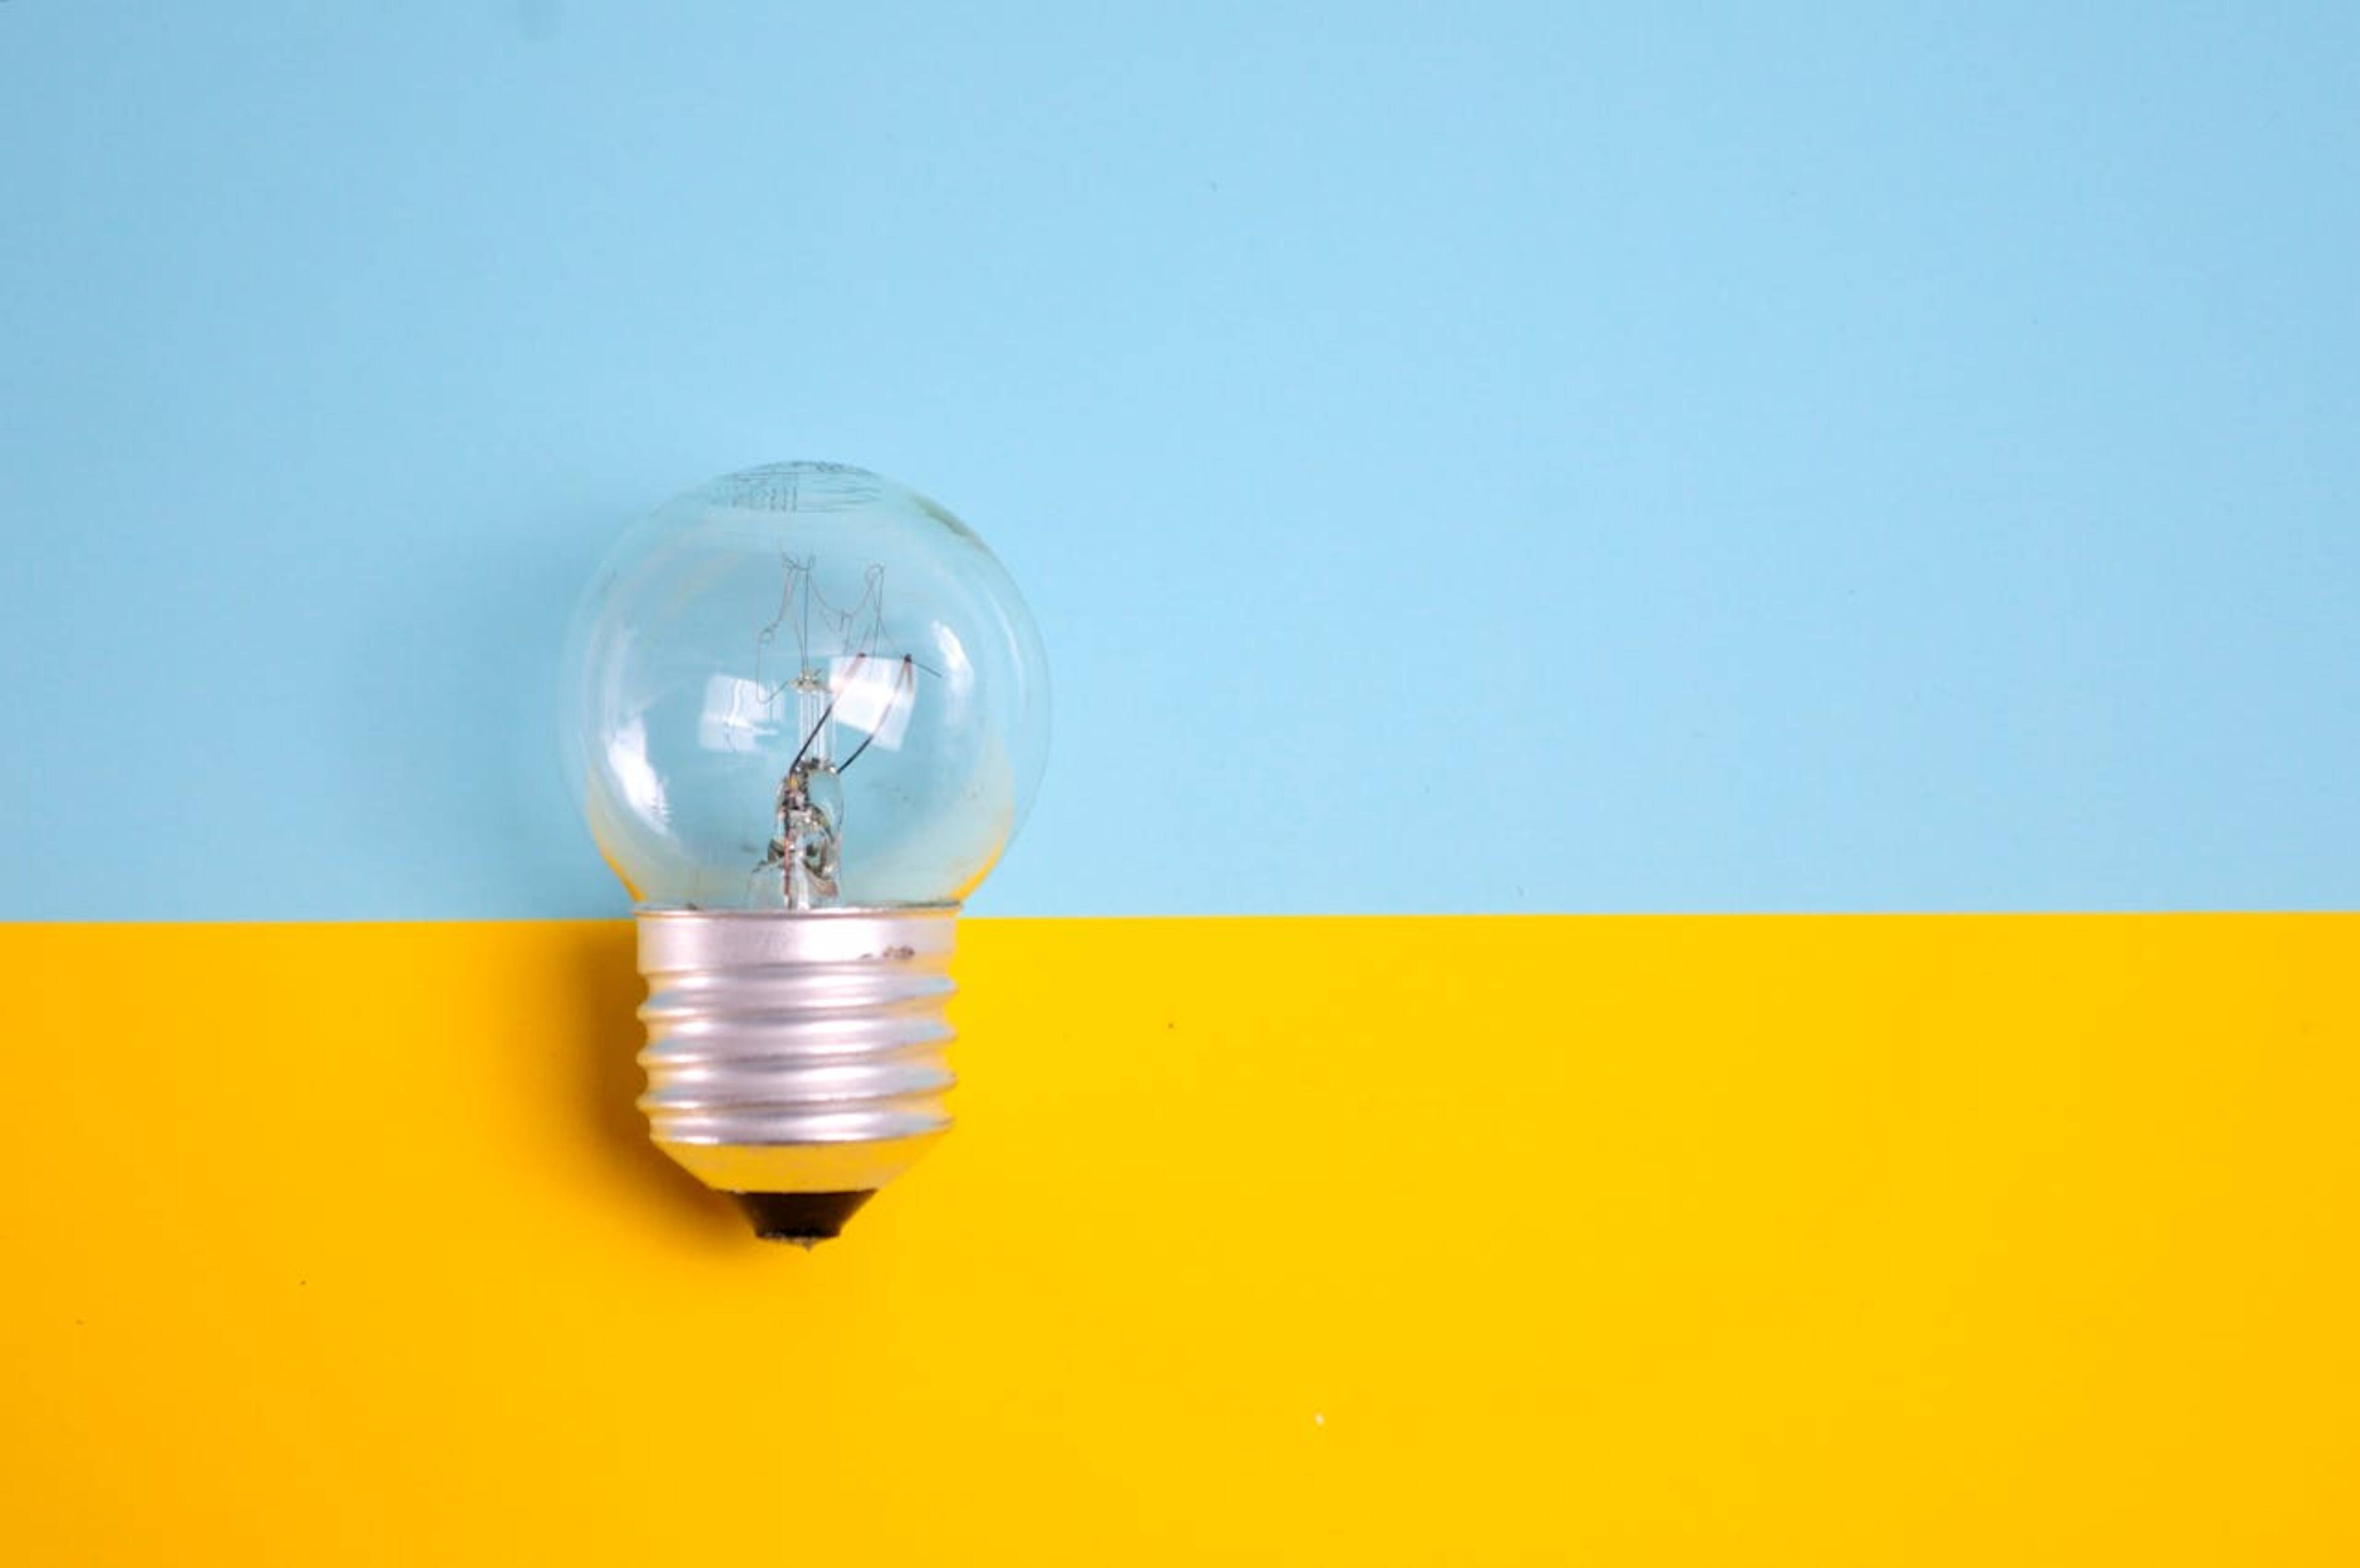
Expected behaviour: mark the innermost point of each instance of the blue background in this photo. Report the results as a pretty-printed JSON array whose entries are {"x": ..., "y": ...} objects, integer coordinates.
[{"x": 1474, "y": 457}]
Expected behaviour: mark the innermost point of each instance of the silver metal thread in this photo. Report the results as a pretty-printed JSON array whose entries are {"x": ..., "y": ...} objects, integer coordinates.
[{"x": 797, "y": 1050}]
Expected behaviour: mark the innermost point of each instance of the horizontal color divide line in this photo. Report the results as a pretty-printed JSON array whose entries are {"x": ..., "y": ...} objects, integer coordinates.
[
  {"x": 1346, "y": 918},
  {"x": 1660, "y": 1240}
]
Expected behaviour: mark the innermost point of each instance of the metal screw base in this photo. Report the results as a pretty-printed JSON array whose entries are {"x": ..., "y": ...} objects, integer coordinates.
[{"x": 796, "y": 1054}]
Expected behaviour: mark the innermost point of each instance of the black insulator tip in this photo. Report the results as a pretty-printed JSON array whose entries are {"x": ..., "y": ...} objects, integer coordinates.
[{"x": 805, "y": 1217}]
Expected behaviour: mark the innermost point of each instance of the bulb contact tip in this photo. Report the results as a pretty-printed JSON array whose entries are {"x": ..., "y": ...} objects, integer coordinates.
[{"x": 804, "y": 1218}]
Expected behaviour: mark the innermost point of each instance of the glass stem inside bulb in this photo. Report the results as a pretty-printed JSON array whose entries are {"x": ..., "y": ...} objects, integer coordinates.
[{"x": 806, "y": 834}]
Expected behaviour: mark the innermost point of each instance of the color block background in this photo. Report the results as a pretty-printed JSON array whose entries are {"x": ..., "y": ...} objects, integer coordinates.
[
  {"x": 1467, "y": 460},
  {"x": 1489, "y": 457},
  {"x": 1823, "y": 1242}
]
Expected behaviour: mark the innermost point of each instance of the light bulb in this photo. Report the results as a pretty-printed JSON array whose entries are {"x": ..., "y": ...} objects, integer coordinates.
[{"x": 807, "y": 710}]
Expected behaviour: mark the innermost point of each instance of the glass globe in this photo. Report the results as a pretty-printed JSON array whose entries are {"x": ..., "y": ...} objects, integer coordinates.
[{"x": 804, "y": 687}]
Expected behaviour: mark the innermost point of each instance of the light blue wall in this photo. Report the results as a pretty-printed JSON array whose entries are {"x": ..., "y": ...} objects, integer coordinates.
[{"x": 1480, "y": 456}]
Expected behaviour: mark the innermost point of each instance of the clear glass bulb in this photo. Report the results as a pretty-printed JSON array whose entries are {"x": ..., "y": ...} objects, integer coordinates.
[{"x": 804, "y": 687}]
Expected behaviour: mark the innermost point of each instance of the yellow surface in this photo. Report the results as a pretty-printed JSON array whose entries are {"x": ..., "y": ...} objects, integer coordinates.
[{"x": 1467, "y": 1241}]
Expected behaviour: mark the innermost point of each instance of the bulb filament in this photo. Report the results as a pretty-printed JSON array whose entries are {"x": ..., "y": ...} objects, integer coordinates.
[{"x": 807, "y": 826}]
